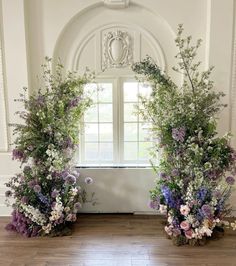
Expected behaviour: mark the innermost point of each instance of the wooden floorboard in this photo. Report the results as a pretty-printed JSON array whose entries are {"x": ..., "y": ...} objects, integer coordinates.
[{"x": 113, "y": 240}]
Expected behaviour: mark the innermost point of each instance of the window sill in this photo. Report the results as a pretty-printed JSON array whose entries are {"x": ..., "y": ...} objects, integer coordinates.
[{"x": 111, "y": 166}]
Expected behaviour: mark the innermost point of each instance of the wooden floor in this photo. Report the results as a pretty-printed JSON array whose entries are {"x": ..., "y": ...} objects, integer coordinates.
[{"x": 108, "y": 240}]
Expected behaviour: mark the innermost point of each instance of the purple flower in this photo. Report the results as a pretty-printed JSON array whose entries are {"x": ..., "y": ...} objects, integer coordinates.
[
  {"x": 206, "y": 210},
  {"x": 153, "y": 204},
  {"x": 170, "y": 198},
  {"x": 178, "y": 134},
  {"x": 74, "y": 102},
  {"x": 17, "y": 154},
  {"x": 32, "y": 183},
  {"x": 88, "y": 180},
  {"x": 40, "y": 100},
  {"x": 43, "y": 199},
  {"x": 77, "y": 206},
  {"x": 37, "y": 188},
  {"x": 217, "y": 194},
  {"x": 68, "y": 143},
  {"x": 202, "y": 193},
  {"x": 30, "y": 148},
  {"x": 27, "y": 169},
  {"x": 24, "y": 200},
  {"x": 22, "y": 225},
  {"x": 54, "y": 193},
  {"x": 230, "y": 180},
  {"x": 70, "y": 179},
  {"x": 164, "y": 176},
  {"x": 71, "y": 217},
  {"x": 8, "y": 193},
  {"x": 175, "y": 172}
]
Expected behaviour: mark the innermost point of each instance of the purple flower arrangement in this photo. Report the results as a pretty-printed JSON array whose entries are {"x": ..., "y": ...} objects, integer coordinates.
[
  {"x": 195, "y": 167},
  {"x": 47, "y": 195}
]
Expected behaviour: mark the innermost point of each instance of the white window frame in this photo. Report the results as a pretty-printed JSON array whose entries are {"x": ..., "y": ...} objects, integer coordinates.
[{"x": 118, "y": 130}]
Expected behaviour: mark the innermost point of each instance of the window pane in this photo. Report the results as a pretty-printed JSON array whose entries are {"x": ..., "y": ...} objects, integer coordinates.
[
  {"x": 91, "y": 90},
  {"x": 91, "y": 115},
  {"x": 129, "y": 112},
  {"x": 91, "y": 132},
  {"x": 144, "y": 90},
  {"x": 106, "y": 132},
  {"x": 130, "y": 91},
  {"x": 91, "y": 151},
  {"x": 130, "y": 131},
  {"x": 106, "y": 151},
  {"x": 130, "y": 151},
  {"x": 105, "y": 92},
  {"x": 105, "y": 112},
  {"x": 144, "y": 132},
  {"x": 144, "y": 150}
]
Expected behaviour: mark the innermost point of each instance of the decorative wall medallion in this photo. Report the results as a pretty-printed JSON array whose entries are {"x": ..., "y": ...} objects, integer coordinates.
[
  {"x": 116, "y": 3},
  {"x": 117, "y": 50}
]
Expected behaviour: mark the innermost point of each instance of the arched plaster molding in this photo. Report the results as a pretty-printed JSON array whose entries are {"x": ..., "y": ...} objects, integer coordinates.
[{"x": 75, "y": 48}]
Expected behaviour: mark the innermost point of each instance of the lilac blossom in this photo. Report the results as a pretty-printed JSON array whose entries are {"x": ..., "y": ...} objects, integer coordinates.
[
  {"x": 179, "y": 133},
  {"x": 27, "y": 169},
  {"x": 54, "y": 193},
  {"x": 206, "y": 210},
  {"x": 8, "y": 193},
  {"x": 88, "y": 180},
  {"x": 32, "y": 183},
  {"x": 70, "y": 179},
  {"x": 77, "y": 206},
  {"x": 175, "y": 172},
  {"x": 68, "y": 143},
  {"x": 40, "y": 101},
  {"x": 25, "y": 200},
  {"x": 21, "y": 224},
  {"x": 74, "y": 102},
  {"x": 164, "y": 176},
  {"x": 17, "y": 154},
  {"x": 37, "y": 188},
  {"x": 154, "y": 204},
  {"x": 230, "y": 180}
]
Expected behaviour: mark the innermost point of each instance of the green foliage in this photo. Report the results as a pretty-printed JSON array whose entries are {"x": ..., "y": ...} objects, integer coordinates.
[{"x": 191, "y": 161}]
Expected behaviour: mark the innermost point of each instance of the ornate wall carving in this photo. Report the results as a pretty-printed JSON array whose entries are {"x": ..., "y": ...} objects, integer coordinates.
[{"x": 117, "y": 50}]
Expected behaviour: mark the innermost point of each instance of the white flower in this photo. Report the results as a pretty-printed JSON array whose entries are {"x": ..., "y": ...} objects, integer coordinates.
[
  {"x": 170, "y": 219},
  {"x": 47, "y": 228},
  {"x": 162, "y": 209},
  {"x": 34, "y": 214},
  {"x": 67, "y": 209},
  {"x": 56, "y": 210},
  {"x": 233, "y": 225},
  {"x": 205, "y": 231}
]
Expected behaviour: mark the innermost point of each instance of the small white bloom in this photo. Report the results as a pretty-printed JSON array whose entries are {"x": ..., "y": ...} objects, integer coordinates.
[{"x": 162, "y": 209}]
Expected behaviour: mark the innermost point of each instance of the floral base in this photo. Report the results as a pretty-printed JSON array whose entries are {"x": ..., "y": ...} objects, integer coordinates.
[
  {"x": 64, "y": 231},
  {"x": 180, "y": 240}
]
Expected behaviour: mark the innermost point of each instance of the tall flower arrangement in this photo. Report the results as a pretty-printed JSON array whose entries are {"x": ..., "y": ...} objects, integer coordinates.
[
  {"x": 196, "y": 166},
  {"x": 47, "y": 195}
]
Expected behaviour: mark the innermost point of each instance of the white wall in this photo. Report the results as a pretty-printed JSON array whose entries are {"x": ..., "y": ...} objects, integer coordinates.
[{"x": 31, "y": 29}]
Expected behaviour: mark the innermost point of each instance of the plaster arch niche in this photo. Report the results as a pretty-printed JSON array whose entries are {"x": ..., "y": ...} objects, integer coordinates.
[{"x": 108, "y": 40}]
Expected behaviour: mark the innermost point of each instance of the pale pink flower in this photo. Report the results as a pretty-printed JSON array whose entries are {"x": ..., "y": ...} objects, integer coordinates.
[
  {"x": 168, "y": 230},
  {"x": 184, "y": 210},
  {"x": 189, "y": 234},
  {"x": 185, "y": 225}
]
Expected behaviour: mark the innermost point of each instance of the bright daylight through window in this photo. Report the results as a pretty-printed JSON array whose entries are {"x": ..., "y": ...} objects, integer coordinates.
[{"x": 113, "y": 135}]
